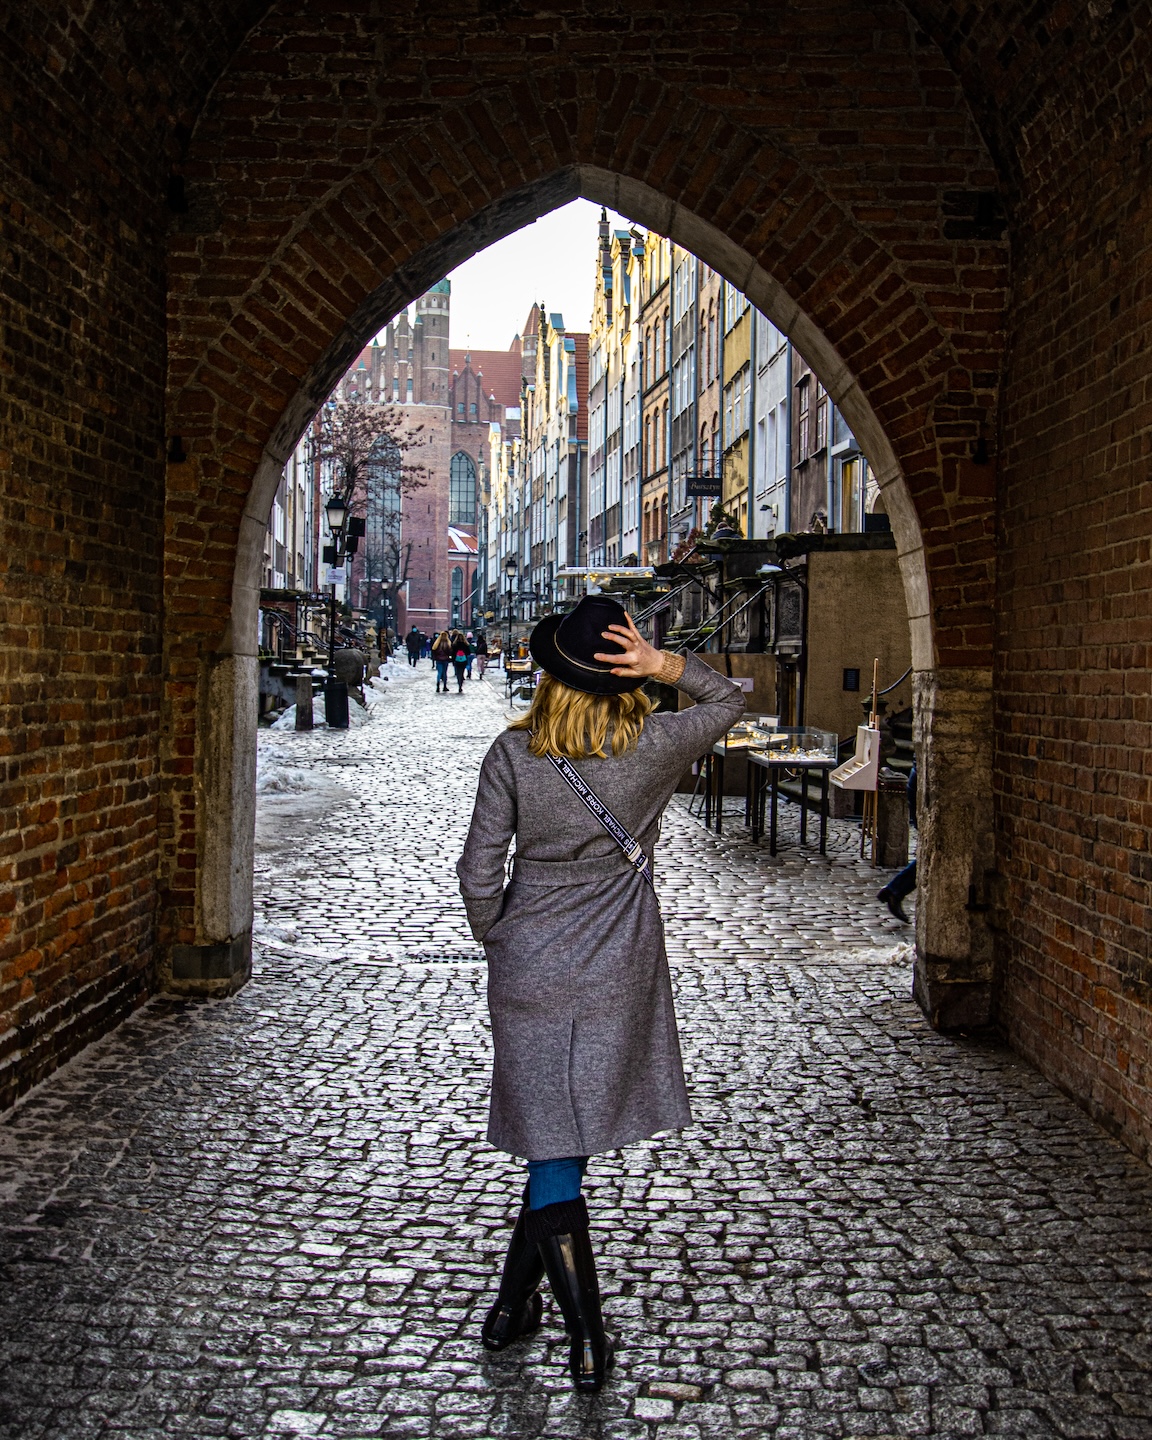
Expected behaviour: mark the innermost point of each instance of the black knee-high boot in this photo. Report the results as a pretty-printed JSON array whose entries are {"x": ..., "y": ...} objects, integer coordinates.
[
  {"x": 561, "y": 1232},
  {"x": 517, "y": 1309}
]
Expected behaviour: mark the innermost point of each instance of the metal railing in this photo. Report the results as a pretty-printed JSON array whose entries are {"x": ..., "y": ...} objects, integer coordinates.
[
  {"x": 285, "y": 626},
  {"x": 714, "y": 625},
  {"x": 664, "y": 600}
]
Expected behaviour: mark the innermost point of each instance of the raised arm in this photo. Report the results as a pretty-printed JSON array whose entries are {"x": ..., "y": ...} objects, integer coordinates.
[
  {"x": 481, "y": 867},
  {"x": 719, "y": 703}
]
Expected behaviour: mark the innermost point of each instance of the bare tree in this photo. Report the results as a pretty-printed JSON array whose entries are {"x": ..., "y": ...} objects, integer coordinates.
[{"x": 364, "y": 452}]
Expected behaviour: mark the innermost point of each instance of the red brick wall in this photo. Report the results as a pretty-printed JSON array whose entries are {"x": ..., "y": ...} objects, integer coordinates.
[
  {"x": 425, "y": 518},
  {"x": 1074, "y": 714},
  {"x": 81, "y": 503}
]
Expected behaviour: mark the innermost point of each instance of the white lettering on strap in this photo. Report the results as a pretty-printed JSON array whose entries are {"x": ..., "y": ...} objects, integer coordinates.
[{"x": 630, "y": 846}]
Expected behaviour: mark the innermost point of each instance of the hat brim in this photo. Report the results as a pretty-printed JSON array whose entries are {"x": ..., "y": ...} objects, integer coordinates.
[{"x": 544, "y": 650}]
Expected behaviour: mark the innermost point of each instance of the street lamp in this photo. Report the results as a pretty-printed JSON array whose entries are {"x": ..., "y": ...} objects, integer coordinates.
[
  {"x": 336, "y": 509},
  {"x": 335, "y": 706},
  {"x": 510, "y": 568}
]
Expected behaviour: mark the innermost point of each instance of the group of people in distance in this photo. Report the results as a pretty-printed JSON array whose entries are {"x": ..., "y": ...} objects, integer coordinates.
[{"x": 457, "y": 648}]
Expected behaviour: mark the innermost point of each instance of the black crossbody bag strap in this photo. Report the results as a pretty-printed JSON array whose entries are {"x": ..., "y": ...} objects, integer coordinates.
[{"x": 631, "y": 847}]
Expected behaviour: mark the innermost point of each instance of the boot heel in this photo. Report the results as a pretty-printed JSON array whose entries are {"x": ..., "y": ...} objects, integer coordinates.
[
  {"x": 518, "y": 1307},
  {"x": 504, "y": 1325},
  {"x": 561, "y": 1232}
]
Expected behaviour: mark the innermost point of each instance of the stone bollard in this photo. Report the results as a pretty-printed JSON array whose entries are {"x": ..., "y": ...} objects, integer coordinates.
[
  {"x": 892, "y": 823},
  {"x": 303, "y": 702},
  {"x": 336, "y": 704}
]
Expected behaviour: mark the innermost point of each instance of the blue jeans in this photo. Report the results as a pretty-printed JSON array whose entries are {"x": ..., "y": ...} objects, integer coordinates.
[
  {"x": 550, "y": 1181},
  {"x": 441, "y": 672},
  {"x": 903, "y": 883}
]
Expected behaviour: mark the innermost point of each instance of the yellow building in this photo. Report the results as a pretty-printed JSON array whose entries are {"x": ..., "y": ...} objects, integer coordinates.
[
  {"x": 614, "y": 404},
  {"x": 736, "y": 360},
  {"x": 710, "y": 397},
  {"x": 655, "y": 351}
]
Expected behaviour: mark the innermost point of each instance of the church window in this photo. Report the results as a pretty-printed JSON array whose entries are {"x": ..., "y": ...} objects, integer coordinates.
[
  {"x": 461, "y": 490},
  {"x": 457, "y": 591}
]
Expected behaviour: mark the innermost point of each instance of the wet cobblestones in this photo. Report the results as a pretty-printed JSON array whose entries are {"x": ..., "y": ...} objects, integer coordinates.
[{"x": 275, "y": 1216}]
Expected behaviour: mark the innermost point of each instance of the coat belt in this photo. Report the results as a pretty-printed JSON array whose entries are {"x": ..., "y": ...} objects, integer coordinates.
[{"x": 571, "y": 872}]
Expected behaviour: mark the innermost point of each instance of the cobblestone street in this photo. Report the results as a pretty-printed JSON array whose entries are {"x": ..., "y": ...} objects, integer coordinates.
[{"x": 276, "y": 1215}]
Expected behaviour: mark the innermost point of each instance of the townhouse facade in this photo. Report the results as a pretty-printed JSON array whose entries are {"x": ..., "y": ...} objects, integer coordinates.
[
  {"x": 614, "y": 398},
  {"x": 537, "y": 519},
  {"x": 440, "y": 402},
  {"x": 290, "y": 542},
  {"x": 656, "y": 346},
  {"x": 681, "y": 397},
  {"x": 722, "y": 398}
]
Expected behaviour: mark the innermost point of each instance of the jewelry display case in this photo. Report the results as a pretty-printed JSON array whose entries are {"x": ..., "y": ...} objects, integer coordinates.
[{"x": 796, "y": 745}]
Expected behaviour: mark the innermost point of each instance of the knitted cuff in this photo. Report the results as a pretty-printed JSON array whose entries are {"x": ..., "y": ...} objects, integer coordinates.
[
  {"x": 562, "y": 1218},
  {"x": 671, "y": 667}
]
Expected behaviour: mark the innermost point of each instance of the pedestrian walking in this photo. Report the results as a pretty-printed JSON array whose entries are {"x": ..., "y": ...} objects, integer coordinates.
[
  {"x": 413, "y": 643},
  {"x": 442, "y": 658},
  {"x": 904, "y": 882},
  {"x": 471, "y": 650},
  {"x": 461, "y": 654},
  {"x": 586, "y": 1055},
  {"x": 481, "y": 648}
]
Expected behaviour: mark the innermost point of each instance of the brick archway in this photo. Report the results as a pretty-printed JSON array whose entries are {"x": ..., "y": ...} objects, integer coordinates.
[
  {"x": 196, "y": 199},
  {"x": 863, "y": 268},
  {"x": 321, "y": 165}
]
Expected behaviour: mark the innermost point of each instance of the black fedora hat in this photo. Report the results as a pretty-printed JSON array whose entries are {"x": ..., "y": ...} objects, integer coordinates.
[{"x": 565, "y": 646}]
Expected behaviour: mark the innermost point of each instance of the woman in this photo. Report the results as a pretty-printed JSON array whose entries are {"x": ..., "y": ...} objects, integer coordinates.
[
  {"x": 480, "y": 646},
  {"x": 584, "y": 1033},
  {"x": 442, "y": 658},
  {"x": 461, "y": 658}
]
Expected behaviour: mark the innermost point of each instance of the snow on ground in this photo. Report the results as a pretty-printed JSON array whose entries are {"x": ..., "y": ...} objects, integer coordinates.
[{"x": 374, "y": 692}]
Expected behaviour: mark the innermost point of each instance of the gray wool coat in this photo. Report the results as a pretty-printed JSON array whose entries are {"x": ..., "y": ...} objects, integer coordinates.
[{"x": 586, "y": 1052}]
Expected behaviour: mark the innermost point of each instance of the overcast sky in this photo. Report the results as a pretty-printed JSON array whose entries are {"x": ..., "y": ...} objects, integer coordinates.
[{"x": 553, "y": 261}]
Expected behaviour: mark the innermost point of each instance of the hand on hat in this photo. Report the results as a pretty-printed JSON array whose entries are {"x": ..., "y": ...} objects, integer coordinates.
[{"x": 635, "y": 658}]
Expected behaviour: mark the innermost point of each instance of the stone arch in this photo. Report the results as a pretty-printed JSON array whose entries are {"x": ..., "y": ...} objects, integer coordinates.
[
  {"x": 252, "y": 168},
  {"x": 224, "y": 902}
]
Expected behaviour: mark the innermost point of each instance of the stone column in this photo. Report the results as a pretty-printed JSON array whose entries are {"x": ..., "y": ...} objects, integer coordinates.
[
  {"x": 304, "y": 702},
  {"x": 220, "y": 960},
  {"x": 956, "y": 860}
]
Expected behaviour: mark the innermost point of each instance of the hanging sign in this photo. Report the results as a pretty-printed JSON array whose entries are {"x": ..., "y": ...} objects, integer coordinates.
[{"x": 698, "y": 487}]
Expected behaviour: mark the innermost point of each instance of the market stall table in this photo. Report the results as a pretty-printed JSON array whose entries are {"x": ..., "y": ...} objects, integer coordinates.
[
  {"x": 795, "y": 749},
  {"x": 714, "y": 782},
  {"x": 517, "y": 671}
]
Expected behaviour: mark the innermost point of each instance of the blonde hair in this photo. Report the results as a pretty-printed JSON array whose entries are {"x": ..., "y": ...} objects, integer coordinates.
[{"x": 568, "y": 722}]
